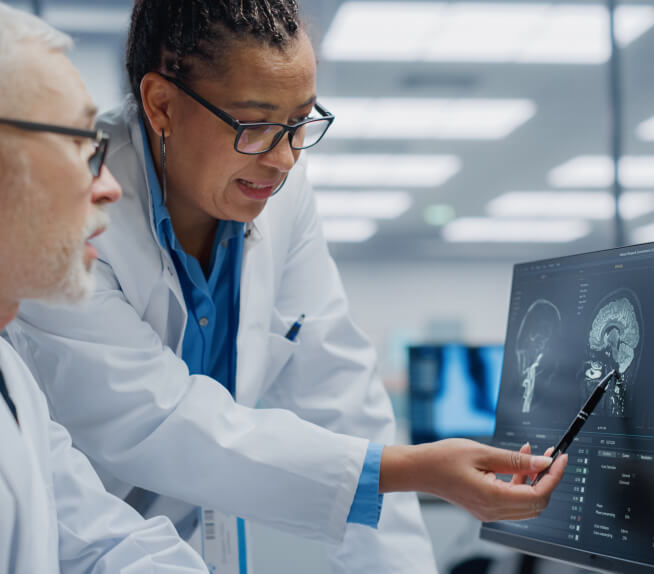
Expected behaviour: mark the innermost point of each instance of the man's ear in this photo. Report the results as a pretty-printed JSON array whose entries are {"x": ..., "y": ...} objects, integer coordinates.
[{"x": 157, "y": 95}]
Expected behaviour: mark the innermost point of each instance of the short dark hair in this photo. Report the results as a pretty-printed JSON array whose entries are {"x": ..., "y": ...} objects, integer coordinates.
[{"x": 170, "y": 35}]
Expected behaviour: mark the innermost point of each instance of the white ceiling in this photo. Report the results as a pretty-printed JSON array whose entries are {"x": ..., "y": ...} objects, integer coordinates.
[{"x": 571, "y": 119}]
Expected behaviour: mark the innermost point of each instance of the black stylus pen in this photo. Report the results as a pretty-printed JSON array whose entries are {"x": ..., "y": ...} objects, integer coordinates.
[{"x": 578, "y": 422}]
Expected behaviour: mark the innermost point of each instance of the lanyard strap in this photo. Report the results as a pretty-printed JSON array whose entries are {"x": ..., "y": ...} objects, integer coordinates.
[{"x": 5, "y": 395}]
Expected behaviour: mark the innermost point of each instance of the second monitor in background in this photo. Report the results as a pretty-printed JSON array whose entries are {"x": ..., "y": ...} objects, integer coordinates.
[{"x": 453, "y": 390}]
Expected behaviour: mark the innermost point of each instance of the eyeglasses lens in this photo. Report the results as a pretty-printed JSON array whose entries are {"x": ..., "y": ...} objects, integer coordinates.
[
  {"x": 96, "y": 160},
  {"x": 309, "y": 134},
  {"x": 260, "y": 139},
  {"x": 257, "y": 139}
]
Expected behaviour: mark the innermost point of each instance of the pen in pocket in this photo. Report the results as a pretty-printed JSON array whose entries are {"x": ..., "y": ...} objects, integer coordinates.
[{"x": 295, "y": 328}]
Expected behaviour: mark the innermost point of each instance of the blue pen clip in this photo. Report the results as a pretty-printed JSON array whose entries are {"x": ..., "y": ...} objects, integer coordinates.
[{"x": 295, "y": 328}]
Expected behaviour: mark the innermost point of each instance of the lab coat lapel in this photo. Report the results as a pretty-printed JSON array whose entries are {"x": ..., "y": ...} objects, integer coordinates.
[{"x": 257, "y": 297}]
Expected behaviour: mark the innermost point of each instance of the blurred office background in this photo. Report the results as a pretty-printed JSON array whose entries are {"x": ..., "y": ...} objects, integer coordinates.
[{"x": 469, "y": 136}]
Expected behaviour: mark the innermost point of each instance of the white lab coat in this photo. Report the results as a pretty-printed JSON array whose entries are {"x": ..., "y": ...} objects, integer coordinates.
[
  {"x": 113, "y": 375},
  {"x": 54, "y": 511}
]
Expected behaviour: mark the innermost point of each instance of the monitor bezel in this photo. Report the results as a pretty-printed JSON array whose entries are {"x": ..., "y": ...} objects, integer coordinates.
[{"x": 565, "y": 554}]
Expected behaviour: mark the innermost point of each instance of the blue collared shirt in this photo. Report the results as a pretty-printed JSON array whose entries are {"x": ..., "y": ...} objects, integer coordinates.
[{"x": 213, "y": 302}]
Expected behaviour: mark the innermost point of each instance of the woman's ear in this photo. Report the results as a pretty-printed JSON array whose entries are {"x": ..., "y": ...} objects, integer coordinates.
[{"x": 157, "y": 96}]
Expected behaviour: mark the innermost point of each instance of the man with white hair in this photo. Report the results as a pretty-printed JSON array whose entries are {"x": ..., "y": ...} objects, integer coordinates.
[{"x": 54, "y": 512}]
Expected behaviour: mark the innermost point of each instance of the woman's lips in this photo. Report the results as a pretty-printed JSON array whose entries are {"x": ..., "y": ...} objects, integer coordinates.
[{"x": 258, "y": 191}]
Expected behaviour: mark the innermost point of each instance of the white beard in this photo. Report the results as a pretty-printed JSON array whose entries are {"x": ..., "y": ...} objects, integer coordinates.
[{"x": 78, "y": 282}]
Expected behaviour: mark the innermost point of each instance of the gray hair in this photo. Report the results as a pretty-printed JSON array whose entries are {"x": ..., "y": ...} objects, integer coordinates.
[
  {"x": 17, "y": 26},
  {"x": 20, "y": 30}
]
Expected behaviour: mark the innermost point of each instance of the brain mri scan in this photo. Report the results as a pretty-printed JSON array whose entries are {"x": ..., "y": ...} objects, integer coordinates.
[
  {"x": 537, "y": 360},
  {"x": 614, "y": 342}
]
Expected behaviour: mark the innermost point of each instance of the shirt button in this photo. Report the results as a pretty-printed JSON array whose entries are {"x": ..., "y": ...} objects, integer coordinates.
[{"x": 204, "y": 322}]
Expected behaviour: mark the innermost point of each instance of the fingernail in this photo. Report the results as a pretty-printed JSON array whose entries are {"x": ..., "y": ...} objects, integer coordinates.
[
  {"x": 540, "y": 462},
  {"x": 525, "y": 445}
]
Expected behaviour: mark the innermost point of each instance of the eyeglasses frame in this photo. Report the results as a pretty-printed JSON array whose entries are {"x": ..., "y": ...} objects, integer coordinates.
[
  {"x": 240, "y": 127},
  {"x": 100, "y": 137}
]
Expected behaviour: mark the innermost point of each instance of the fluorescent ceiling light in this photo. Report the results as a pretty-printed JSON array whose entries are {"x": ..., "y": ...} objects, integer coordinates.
[
  {"x": 88, "y": 19},
  {"x": 597, "y": 171},
  {"x": 384, "y": 170},
  {"x": 481, "y": 32},
  {"x": 643, "y": 234},
  {"x": 348, "y": 230},
  {"x": 374, "y": 204},
  {"x": 484, "y": 230},
  {"x": 634, "y": 204},
  {"x": 432, "y": 118},
  {"x": 583, "y": 204},
  {"x": 645, "y": 130}
]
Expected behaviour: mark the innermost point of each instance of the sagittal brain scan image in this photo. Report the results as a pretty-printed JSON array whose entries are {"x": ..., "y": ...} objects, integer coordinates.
[
  {"x": 537, "y": 361},
  {"x": 614, "y": 342}
]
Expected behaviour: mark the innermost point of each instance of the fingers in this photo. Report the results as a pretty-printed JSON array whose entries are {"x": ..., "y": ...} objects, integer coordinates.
[
  {"x": 502, "y": 461},
  {"x": 548, "y": 452},
  {"x": 521, "y": 478},
  {"x": 518, "y": 501},
  {"x": 554, "y": 475}
]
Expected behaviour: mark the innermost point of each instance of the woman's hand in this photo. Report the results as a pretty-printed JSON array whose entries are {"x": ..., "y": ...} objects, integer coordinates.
[{"x": 464, "y": 472}]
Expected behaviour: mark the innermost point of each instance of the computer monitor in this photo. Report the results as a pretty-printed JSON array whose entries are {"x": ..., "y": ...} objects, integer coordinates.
[
  {"x": 453, "y": 390},
  {"x": 571, "y": 321}
]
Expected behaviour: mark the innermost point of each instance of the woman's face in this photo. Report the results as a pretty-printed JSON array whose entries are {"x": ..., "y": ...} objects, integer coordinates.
[{"x": 206, "y": 176}]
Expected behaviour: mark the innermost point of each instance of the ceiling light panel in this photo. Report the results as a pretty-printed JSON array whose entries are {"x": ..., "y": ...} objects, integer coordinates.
[
  {"x": 481, "y": 32},
  {"x": 497, "y": 230},
  {"x": 645, "y": 130},
  {"x": 430, "y": 118},
  {"x": 348, "y": 230},
  {"x": 590, "y": 171},
  {"x": 577, "y": 204},
  {"x": 385, "y": 170},
  {"x": 591, "y": 205},
  {"x": 373, "y": 204},
  {"x": 643, "y": 234}
]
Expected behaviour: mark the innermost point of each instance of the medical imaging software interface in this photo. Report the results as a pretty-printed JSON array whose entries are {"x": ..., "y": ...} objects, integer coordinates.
[{"x": 571, "y": 321}]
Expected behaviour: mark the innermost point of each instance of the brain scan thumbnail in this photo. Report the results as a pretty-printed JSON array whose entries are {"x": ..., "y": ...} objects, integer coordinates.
[
  {"x": 614, "y": 343},
  {"x": 537, "y": 361}
]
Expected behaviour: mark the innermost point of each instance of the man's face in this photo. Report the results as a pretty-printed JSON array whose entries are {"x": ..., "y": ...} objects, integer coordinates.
[{"x": 51, "y": 205}]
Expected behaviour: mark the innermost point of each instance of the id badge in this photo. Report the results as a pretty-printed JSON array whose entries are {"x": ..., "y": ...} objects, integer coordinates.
[{"x": 223, "y": 543}]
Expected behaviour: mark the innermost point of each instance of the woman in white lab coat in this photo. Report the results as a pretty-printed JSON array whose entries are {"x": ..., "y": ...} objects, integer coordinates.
[{"x": 158, "y": 382}]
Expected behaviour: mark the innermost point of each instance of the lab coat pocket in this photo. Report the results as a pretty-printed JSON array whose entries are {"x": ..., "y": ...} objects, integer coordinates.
[{"x": 280, "y": 350}]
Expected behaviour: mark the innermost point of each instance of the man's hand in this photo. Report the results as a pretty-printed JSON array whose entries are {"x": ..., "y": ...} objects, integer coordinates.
[{"x": 464, "y": 472}]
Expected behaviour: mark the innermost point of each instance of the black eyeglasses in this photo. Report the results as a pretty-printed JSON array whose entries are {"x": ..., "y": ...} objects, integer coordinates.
[
  {"x": 101, "y": 139},
  {"x": 255, "y": 138}
]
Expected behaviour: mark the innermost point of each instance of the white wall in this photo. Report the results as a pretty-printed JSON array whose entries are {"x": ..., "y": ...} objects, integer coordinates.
[{"x": 409, "y": 302}]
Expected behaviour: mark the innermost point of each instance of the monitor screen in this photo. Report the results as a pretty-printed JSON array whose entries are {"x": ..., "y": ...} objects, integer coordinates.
[
  {"x": 453, "y": 390},
  {"x": 571, "y": 321}
]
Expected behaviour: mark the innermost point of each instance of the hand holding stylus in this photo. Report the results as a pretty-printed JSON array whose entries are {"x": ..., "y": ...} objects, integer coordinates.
[{"x": 465, "y": 472}]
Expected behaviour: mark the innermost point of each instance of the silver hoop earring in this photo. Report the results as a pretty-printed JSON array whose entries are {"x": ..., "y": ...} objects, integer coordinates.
[{"x": 162, "y": 152}]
